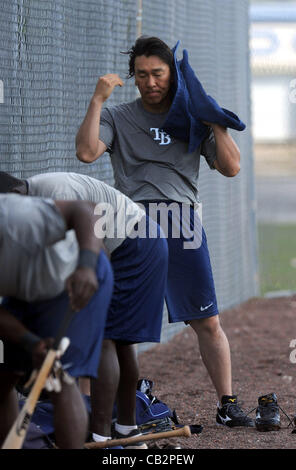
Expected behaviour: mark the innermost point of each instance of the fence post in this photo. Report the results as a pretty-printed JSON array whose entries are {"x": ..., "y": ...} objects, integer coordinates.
[{"x": 139, "y": 17}]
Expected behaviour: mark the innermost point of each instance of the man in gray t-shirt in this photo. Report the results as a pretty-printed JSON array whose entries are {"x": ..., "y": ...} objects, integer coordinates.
[
  {"x": 138, "y": 132},
  {"x": 152, "y": 166}
]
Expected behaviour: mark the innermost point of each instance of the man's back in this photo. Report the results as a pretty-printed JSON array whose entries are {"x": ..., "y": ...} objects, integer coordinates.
[
  {"x": 32, "y": 238},
  {"x": 120, "y": 214}
]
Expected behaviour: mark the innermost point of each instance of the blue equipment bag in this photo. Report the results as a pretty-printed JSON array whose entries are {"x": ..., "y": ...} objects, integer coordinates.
[
  {"x": 148, "y": 407},
  {"x": 151, "y": 414}
]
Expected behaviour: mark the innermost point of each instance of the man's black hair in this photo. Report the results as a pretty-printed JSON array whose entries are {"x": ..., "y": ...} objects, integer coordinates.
[
  {"x": 148, "y": 46},
  {"x": 8, "y": 182}
]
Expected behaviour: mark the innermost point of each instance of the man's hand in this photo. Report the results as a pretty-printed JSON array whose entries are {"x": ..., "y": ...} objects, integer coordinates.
[
  {"x": 106, "y": 85},
  {"x": 40, "y": 350},
  {"x": 81, "y": 286},
  {"x": 89, "y": 147}
]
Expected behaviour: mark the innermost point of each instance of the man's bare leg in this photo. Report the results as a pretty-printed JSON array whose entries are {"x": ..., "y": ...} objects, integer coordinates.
[
  {"x": 129, "y": 375},
  {"x": 104, "y": 390},
  {"x": 70, "y": 417},
  {"x": 215, "y": 353},
  {"x": 84, "y": 385}
]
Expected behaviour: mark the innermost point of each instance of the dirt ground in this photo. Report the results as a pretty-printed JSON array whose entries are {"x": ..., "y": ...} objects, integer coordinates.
[{"x": 260, "y": 332}]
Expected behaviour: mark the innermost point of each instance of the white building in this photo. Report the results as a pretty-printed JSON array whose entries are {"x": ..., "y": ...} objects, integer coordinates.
[{"x": 273, "y": 61}]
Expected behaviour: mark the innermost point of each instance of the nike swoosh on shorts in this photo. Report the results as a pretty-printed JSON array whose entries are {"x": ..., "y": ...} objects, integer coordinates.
[{"x": 205, "y": 308}]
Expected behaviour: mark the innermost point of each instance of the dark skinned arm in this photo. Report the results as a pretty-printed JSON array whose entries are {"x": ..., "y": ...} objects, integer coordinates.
[{"x": 78, "y": 215}]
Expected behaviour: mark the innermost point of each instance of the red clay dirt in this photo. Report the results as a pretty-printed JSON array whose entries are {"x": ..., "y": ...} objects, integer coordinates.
[{"x": 260, "y": 332}]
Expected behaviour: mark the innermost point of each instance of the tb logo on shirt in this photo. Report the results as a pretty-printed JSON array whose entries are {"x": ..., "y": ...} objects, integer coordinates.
[{"x": 164, "y": 138}]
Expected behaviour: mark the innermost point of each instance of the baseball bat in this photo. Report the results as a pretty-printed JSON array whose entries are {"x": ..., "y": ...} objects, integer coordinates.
[
  {"x": 18, "y": 431},
  {"x": 184, "y": 431}
]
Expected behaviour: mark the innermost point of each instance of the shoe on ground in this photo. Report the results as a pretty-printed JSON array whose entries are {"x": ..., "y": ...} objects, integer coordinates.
[
  {"x": 268, "y": 413},
  {"x": 134, "y": 445},
  {"x": 231, "y": 415}
]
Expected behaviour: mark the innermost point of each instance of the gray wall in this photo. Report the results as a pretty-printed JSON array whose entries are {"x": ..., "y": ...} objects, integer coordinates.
[{"x": 53, "y": 52}]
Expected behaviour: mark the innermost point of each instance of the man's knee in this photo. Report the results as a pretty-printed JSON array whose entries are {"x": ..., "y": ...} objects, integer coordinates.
[
  {"x": 127, "y": 356},
  {"x": 207, "y": 326},
  {"x": 108, "y": 350}
]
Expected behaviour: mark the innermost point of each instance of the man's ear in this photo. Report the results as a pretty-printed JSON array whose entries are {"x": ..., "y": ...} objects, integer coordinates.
[
  {"x": 20, "y": 189},
  {"x": 16, "y": 190}
]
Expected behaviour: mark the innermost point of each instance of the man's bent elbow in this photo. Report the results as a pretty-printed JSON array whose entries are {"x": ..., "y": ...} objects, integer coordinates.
[
  {"x": 85, "y": 157},
  {"x": 229, "y": 170},
  {"x": 233, "y": 171}
]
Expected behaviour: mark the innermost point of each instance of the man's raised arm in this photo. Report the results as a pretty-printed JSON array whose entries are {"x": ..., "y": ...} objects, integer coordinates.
[{"x": 88, "y": 145}]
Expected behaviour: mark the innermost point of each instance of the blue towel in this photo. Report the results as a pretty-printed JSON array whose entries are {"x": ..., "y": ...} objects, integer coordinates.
[{"x": 191, "y": 105}]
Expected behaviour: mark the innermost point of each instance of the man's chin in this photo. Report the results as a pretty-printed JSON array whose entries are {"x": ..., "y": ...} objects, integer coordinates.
[
  {"x": 153, "y": 98},
  {"x": 154, "y": 101}
]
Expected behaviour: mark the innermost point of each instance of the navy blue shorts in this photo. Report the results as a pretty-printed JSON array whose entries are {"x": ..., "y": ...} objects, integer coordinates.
[
  {"x": 85, "y": 332},
  {"x": 140, "y": 274},
  {"x": 190, "y": 292}
]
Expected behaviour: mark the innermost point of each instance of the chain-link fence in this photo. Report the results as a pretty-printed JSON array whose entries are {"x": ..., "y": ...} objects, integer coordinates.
[{"x": 53, "y": 52}]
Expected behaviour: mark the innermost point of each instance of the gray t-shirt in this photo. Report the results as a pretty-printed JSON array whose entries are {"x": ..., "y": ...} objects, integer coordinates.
[
  {"x": 37, "y": 254},
  {"x": 118, "y": 213},
  {"x": 149, "y": 164}
]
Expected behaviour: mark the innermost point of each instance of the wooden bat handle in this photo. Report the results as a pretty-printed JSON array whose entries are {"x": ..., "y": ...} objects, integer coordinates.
[
  {"x": 184, "y": 431},
  {"x": 17, "y": 434}
]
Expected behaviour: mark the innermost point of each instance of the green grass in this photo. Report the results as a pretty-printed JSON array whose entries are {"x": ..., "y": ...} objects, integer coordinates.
[{"x": 277, "y": 247}]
